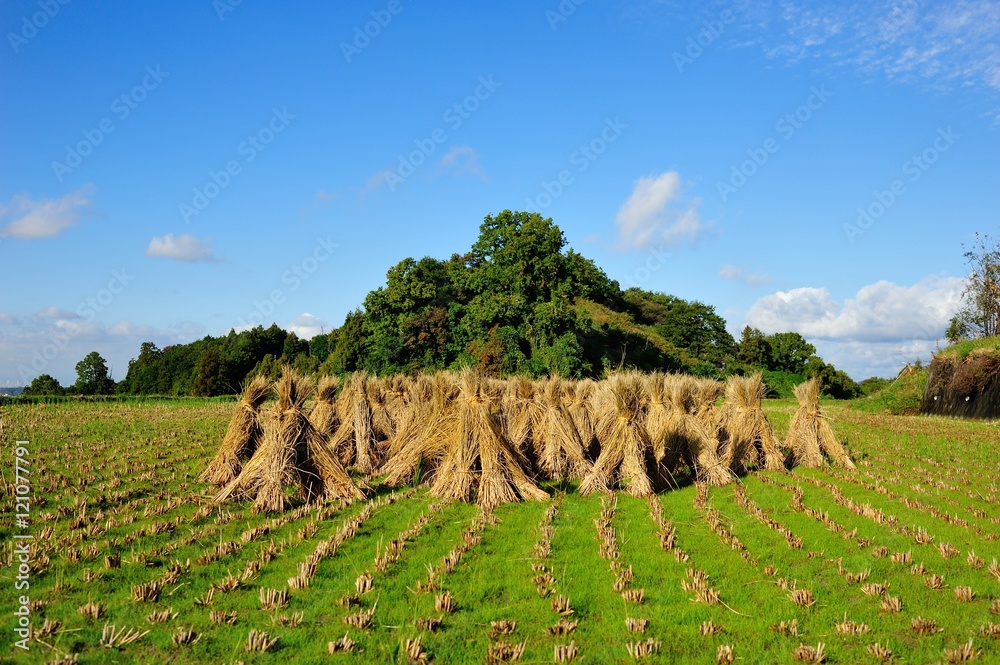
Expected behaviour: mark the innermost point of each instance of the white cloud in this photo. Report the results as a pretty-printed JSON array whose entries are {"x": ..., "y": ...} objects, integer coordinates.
[
  {"x": 182, "y": 248},
  {"x": 463, "y": 160},
  {"x": 45, "y": 218},
  {"x": 739, "y": 273},
  {"x": 875, "y": 332},
  {"x": 656, "y": 214},
  {"x": 306, "y": 326},
  {"x": 879, "y": 312},
  {"x": 57, "y": 313}
]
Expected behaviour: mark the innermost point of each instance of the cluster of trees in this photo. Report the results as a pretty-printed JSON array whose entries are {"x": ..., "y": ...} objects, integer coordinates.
[
  {"x": 92, "y": 374},
  {"x": 518, "y": 302},
  {"x": 787, "y": 358}
]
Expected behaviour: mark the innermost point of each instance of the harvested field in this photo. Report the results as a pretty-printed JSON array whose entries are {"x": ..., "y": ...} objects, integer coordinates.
[{"x": 133, "y": 561}]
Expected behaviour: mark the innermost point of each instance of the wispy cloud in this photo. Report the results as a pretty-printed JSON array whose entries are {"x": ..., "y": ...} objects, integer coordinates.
[
  {"x": 739, "y": 273},
  {"x": 941, "y": 45},
  {"x": 45, "y": 218},
  {"x": 462, "y": 160},
  {"x": 655, "y": 213},
  {"x": 57, "y": 313},
  {"x": 184, "y": 247}
]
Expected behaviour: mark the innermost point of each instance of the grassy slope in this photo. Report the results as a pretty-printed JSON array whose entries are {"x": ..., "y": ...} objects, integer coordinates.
[
  {"x": 938, "y": 474},
  {"x": 963, "y": 349},
  {"x": 901, "y": 397},
  {"x": 616, "y": 320}
]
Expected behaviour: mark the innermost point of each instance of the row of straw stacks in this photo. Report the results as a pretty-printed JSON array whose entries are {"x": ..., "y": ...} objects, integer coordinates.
[{"x": 474, "y": 438}]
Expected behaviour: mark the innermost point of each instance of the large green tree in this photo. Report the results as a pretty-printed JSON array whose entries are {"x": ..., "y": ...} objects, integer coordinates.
[{"x": 93, "y": 377}]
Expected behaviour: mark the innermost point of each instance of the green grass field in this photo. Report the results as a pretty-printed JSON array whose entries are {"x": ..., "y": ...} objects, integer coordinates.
[{"x": 116, "y": 505}]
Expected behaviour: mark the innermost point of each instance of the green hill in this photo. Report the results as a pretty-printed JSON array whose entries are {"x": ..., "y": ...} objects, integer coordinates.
[{"x": 519, "y": 301}]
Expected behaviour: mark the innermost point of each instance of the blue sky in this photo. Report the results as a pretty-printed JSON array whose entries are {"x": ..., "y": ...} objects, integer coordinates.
[{"x": 174, "y": 171}]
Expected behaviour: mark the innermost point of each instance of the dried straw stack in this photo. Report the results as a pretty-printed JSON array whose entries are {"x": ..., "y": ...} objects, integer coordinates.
[
  {"x": 242, "y": 436},
  {"x": 562, "y": 455},
  {"x": 745, "y": 435},
  {"x": 324, "y": 416},
  {"x": 707, "y": 392},
  {"x": 580, "y": 400},
  {"x": 355, "y": 440},
  {"x": 810, "y": 435},
  {"x": 292, "y": 453},
  {"x": 523, "y": 417},
  {"x": 480, "y": 460},
  {"x": 422, "y": 439},
  {"x": 657, "y": 411},
  {"x": 686, "y": 435},
  {"x": 626, "y": 452}
]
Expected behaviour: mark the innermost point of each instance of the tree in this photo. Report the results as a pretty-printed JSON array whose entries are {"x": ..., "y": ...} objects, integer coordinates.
[
  {"x": 209, "y": 381},
  {"x": 754, "y": 348},
  {"x": 790, "y": 352},
  {"x": 44, "y": 385},
  {"x": 688, "y": 325},
  {"x": 979, "y": 314},
  {"x": 93, "y": 377},
  {"x": 147, "y": 374},
  {"x": 832, "y": 382}
]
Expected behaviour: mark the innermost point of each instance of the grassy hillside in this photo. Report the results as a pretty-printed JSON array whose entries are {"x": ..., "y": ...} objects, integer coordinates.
[
  {"x": 901, "y": 397},
  {"x": 130, "y": 512}
]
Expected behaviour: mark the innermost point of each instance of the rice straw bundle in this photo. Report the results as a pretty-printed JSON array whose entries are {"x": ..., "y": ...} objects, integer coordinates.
[
  {"x": 355, "y": 441},
  {"x": 626, "y": 452},
  {"x": 688, "y": 437},
  {"x": 810, "y": 435},
  {"x": 382, "y": 393},
  {"x": 242, "y": 436},
  {"x": 656, "y": 414},
  {"x": 581, "y": 411},
  {"x": 479, "y": 458},
  {"x": 422, "y": 440},
  {"x": 562, "y": 455},
  {"x": 292, "y": 453},
  {"x": 324, "y": 416},
  {"x": 745, "y": 434},
  {"x": 707, "y": 392},
  {"x": 523, "y": 417}
]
